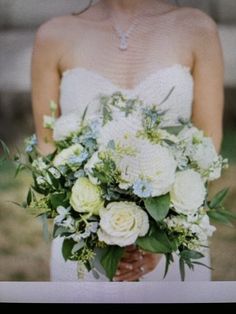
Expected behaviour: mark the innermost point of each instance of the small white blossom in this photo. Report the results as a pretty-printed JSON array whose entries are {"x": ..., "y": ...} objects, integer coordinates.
[
  {"x": 48, "y": 122},
  {"x": 55, "y": 172},
  {"x": 65, "y": 126}
]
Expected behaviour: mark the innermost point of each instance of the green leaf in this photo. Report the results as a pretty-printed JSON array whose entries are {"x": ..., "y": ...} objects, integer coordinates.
[
  {"x": 6, "y": 152},
  {"x": 175, "y": 130},
  {"x": 111, "y": 259},
  {"x": 169, "y": 260},
  {"x": 198, "y": 263},
  {"x": 158, "y": 207},
  {"x": 182, "y": 269},
  {"x": 78, "y": 246},
  {"x": 156, "y": 242},
  {"x": 218, "y": 198},
  {"x": 84, "y": 113},
  {"x": 167, "y": 96},
  {"x": 219, "y": 217},
  {"x": 58, "y": 199},
  {"x": 190, "y": 254},
  {"x": 36, "y": 211},
  {"x": 67, "y": 247},
  {"x": 29, "y": 197},
  {"x": 19, "y": 168},
  {"x": 227, "y": 213},
  {"x": 59, "y": 231}
]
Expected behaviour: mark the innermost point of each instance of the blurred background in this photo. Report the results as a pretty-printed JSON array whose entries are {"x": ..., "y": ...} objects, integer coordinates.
[{"x": 24, "y": 255}]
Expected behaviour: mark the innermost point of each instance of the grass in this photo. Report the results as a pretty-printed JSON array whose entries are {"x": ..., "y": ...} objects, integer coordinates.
[
  {"x": 25, "y": 255},
  {"x": 228, "y": 145}
]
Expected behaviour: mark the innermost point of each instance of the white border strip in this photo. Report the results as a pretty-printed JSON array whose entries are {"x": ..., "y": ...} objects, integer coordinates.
[{"x": 152, "y": 292}]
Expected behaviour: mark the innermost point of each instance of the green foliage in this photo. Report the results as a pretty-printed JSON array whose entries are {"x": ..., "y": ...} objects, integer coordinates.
[
  {"x": 156, "y": 241},
  {"x": 67, "y": 247},
  {"x": 169, "y": 260},
  {"x": 110, "y": 260},
  {"x": 219, "y": 217},
  {"x": 174, "y": 130},
  {"x": 185, "y": 258},
  {"x": 218, "y": 198},
  {"x": 217, "y": 212},
  {"x": 190, "y": 254},
  {"x": 6, "y": 153},
  {"x": 58, "y": 199},
  {"x": 158, "y": 207},
  {"x": 182, "y": 268}
]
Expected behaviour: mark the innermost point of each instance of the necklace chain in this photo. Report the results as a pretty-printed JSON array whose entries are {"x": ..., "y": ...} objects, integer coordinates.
[{"x": 124, "y": 35}]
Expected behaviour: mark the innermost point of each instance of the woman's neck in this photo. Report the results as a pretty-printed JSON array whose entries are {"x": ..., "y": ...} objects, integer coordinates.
[{"x": 131, "y": 7}]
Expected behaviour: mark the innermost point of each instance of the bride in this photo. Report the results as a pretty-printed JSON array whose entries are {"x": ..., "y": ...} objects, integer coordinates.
[{"x": 140, "y": 48}]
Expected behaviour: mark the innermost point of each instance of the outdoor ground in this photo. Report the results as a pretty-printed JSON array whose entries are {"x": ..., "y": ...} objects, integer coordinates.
[{"x": 24, "y": 254}]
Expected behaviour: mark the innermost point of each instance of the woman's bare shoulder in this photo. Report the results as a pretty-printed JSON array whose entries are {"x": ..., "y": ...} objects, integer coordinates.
[
  {"x": 55, "y": 29},
  {"x": 196, "y": 20}
]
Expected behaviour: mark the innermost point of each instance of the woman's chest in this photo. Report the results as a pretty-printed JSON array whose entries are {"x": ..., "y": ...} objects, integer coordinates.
[{"x": 147, "y": 51}]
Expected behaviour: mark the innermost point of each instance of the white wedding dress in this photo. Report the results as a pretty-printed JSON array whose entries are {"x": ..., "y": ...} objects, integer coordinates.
[{"x": 79, "y": 86}]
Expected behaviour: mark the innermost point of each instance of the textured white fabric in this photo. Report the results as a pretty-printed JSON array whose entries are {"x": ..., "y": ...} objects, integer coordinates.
[{"x": 79, "y": 87}]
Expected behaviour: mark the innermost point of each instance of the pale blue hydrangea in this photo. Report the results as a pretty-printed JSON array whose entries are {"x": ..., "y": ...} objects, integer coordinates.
[
  {"x": 142, "y": 188},
  {"x": 95, "y": 127},
  {"x": 77, "y": 160},
  {"x": 30, "y": 143},
  {"x": 78, "y": 174}
]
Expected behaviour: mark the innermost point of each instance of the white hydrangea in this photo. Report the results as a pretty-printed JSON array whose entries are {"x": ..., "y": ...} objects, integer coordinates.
[
  {"x": 204, "y": 224},
  {"x": 122, "y": 223},
  {"x": 191, "y": 135},
  {"x": 65, "y": 126},
  {"x": 188, "y": 192},
  {"x": 121, "y": 130},
  {"x": 194, "y": 230},
  {"x": 153, "y": 163},
  {"x": 206, "y": 157}
]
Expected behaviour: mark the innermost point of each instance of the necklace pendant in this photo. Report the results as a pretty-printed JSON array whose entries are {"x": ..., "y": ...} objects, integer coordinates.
[{"x": 123, "y": 42}]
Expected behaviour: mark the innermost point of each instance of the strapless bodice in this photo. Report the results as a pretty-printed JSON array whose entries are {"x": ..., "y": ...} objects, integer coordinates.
[{"x": 81, "y": 87}]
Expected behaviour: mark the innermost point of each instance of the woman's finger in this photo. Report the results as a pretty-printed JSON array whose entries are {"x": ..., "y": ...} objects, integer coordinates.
[
  {"x": 132, "y": 256},
  {"x": 132, "y": 275},
  {"x": 130, "y": 266},
  {"x": 130, "y": 248}
]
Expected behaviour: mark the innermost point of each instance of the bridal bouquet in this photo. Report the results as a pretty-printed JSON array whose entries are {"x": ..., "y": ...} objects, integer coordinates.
[{"x": 122, "y": 177}]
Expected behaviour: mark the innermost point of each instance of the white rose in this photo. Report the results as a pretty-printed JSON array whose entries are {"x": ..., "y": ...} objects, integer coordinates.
[
  {"x": 65, "y": 126},
  {"x": 188, "y": 192},
  {"x": 153, "y": 163},
  {"x": 86, "y": 197},
  {"x": 90, "y": 165},
  {"x": 122, "y": 223},
  {"x": 64, "y": 156}
]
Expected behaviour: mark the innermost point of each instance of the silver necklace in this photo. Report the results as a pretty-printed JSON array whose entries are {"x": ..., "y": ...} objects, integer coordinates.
[{"x": 124, "y": 35}]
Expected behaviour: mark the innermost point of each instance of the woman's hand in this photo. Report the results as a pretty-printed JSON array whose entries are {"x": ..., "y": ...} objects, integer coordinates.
[{"x": 135, "y": 263}]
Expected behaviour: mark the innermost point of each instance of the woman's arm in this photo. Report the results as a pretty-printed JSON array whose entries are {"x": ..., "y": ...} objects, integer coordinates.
[
  {"x": 45, "y": 81},
  {"x": 208, "y": 80}
]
